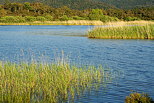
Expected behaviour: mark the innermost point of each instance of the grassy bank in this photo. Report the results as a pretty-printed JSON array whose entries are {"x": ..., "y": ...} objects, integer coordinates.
[
  {"x": 82, "y": 22},
  {"x": 46, "y": 83},
  {"x": 126, "y": 30},
  {"x": 69, "y": 22}
]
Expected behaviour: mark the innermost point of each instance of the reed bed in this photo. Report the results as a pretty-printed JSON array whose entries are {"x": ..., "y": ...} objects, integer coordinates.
[
  {"x": 46, "y": 83},
  {"x": 138, "y": 98},
  {"x": 81, "y": 22},
  {"x": 123, "y": 31},
  {"x": 69, "y": 22},
  {"x": 126, "y": 23}
]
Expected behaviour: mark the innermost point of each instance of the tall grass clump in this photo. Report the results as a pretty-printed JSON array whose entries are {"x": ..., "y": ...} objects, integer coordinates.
[
  {"x": 46, "y": 83},
  {"x": 138, "y": 98},
  {"x": 123, "y": 32}
]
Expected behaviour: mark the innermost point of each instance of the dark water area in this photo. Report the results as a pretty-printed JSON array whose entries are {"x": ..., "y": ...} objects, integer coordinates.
[{"x": 133, "y": 58}]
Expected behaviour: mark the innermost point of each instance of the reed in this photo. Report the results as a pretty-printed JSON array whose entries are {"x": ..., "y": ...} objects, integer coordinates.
[
  {"x": 46, "y": 83},
  {"x": 69, "y": 22},
  {"x": 123, "y": 31},
  {"x": 80, "y": 22},
  {"x": 138, "y": 98}
]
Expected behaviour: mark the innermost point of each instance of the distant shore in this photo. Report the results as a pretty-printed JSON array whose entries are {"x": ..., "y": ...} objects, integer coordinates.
[
  {"x": 70, "y": 22},
  {"x": 79, "y": 22}
]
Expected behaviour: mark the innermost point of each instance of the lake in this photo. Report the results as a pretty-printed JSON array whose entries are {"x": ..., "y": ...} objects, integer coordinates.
[{"x": 133, "y": 59}]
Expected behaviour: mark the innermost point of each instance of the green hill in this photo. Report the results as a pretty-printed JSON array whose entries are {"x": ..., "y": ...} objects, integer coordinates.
[
  {"x": 129, "y": 4},
  {"x": 74, "y": 4},
  {"x": 92, "y": 4}
]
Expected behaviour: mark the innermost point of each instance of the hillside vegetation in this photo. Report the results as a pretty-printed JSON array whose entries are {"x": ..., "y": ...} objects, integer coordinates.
[
  {"x": 129, "y": 4},
  {"x": 73, "y": 4},
  {"x": 29, "y": 12},
  {"x": 93, "y": 4}
]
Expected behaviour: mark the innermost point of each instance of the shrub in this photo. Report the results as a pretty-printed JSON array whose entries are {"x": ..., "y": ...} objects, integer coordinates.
[
  {"x": 2, "y": 19},
  {"x": 95, "y": 14},
  {"x": 78, "y": 18},
  {"x": 27, "y": 6},
  {"x": 40, "y": 18},
  {"x": 30, "y": 18},
  {"x": 131, "y": 18},
  {"x": 2, "y": 12},
  {"x": 138, "y": 98},
  {"x": 20, "y": 19},
  {"x": 12, "y": 19},
  {"x": 105, "y": 18},
  {"x": 8, "y": 19},
  {"x": 49, "y": 17},
  {"x": 64, "y": 18}
]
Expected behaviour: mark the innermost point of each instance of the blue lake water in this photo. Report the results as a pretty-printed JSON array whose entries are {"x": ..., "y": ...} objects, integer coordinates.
[{"x": 133, "y": 58}]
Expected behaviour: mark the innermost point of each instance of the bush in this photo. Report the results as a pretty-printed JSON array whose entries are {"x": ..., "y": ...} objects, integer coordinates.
[
  {"x": 2, "y": 12},
  {"x": 64, "y": 18},
  {"x": 2, "y": 19},
  {"x": 131, "y": 18},
  {"x": 138, "y": 98},
  {"x": 95, "y": 14},
  {"x": 78, "y": 18},
  {"x": 30, "y": 18},
  {"x": 20, "y": 19},
  {"x": 8, "y": 19},
  {"x": 40, "y": 18},
  {"x": 49, "y": 17},
  {"x": 105, "y": 18},
  {"x": 12, "y": 19}
]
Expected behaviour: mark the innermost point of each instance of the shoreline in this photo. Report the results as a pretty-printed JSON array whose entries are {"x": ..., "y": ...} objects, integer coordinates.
[
  {"x": 81, "y": 22},
  {"x": 70, "y": 22},
  {"x": 121, "y": 38}
]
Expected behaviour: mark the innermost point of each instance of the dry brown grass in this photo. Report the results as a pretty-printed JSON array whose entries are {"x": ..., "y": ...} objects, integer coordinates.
[{"x": 81, "y": 22}]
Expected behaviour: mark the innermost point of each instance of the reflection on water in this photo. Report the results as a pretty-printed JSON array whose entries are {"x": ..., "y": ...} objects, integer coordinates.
[{"x": 134, "y": 58}]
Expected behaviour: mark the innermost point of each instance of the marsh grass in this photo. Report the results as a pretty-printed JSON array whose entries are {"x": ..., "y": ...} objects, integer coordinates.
[
  {"x": 138, "y": 98},
  {"x": 123, "y": 31},
  {"x": 47, "y": 83},
  {"x": 80, "y": 22},
  {"x": 69, "y": 22}
]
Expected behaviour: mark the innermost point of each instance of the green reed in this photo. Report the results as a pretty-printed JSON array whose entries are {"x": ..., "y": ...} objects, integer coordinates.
[
  {"x": 46, "y": 83},
  {"x": 123, "y": 32}
]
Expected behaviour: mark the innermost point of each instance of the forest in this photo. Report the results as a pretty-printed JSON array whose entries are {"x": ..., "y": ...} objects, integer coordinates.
[
  {"x": 92, "y": 4},
  {"x": 23, "y": 12}
]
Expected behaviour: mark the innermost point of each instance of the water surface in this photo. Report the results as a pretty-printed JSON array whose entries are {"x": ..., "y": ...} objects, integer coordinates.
[{"x": 134, "y": 58}]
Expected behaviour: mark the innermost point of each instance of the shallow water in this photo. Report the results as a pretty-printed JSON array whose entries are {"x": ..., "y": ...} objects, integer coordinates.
[{"x": 133, "y": 58}]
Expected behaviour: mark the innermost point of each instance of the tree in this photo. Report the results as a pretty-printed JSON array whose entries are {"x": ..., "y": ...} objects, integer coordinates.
[
  {"x": 27, "y": 6},
  {"x": 105, "y": 18},
  {"x": 95, "y": 14},
  {"x": 7, "y": 2},
  {"x": 3, "y": 12}
]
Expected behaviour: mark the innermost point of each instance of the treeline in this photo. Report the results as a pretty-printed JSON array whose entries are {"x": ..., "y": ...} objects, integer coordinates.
[
  {"x": 129, "y": 4},
  {"x": 23, "y": 12},
  {"x": 93, "y": 4},
  {"x": 73, "y": 4}
]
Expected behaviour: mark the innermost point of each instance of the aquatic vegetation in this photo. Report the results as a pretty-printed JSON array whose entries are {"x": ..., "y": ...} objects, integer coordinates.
[
  {"x": 47, "y": 83},
  {"x": 138, "y": 98},
  {"x": 69, "y": 22},
  {"x": 123, "y": 31}
]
